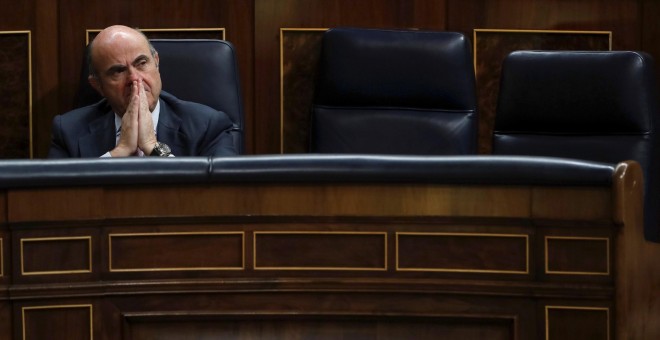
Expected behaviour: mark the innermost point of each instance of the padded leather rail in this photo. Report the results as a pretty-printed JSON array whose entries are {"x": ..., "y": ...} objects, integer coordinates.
[
  {"x": 103, "y": 171},
  {"x": 496, "y": 170},
  {"x": 444, "y": 169}
]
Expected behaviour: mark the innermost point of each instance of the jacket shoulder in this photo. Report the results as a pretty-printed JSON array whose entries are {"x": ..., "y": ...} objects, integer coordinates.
[
  {"x": 85, "y": 114},
  {"x": 188, "y": 110}
]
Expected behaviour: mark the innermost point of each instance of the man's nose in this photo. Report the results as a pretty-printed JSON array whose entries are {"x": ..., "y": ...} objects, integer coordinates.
[{"x": 133, "y": 74}]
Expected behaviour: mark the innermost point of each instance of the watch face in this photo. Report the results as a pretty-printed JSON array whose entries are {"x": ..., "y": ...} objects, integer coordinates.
[
  {"x": 165, "y": 150},
  {"x": 161, "y": 149}
]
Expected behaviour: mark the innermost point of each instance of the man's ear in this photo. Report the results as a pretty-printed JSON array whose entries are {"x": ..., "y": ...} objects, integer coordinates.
[
  {"x": 94, "y": 81},
  {"x": 157, "y": 59}
]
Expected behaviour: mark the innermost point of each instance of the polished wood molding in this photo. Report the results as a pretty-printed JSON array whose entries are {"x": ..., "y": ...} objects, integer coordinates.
[{"x": 502, "y": 261}]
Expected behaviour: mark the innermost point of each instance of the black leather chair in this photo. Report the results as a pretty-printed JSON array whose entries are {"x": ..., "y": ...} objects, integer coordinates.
[
  {"x": 598, "y": 106},
  {"x": 198, "y": 70},
  {"x": 394, "y": 92}
]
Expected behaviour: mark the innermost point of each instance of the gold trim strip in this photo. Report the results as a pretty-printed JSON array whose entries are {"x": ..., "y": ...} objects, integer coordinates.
[
  {"x": 91, "y": 315},
  {"x": 30, "y": 121},
  {"x": 110, "y": 236},
  {"x": 50, "y": 239},
  {"x": 449, "y": 270},
  {"x": 495, "y": 30},
  {"x": 547, "y": 316},
  {"x": 254, "y": 249},
  {"x": 576, "y": 238},
  {"x": 282, "y": 30},
  {"x": 210, "y": 29}
]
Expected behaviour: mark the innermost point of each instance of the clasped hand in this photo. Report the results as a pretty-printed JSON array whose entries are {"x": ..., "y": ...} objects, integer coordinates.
[{"x": 137, "y": 127}]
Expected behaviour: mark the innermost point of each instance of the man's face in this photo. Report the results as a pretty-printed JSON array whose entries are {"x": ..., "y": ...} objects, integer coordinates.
[{"x": 119, "y": 59}]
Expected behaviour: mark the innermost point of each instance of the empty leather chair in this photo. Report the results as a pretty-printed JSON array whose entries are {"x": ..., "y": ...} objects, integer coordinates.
[
  {"x": 599, "y": 106},
  {"x": 198, "y": 70},
  {"x": 395, "y": 92}
]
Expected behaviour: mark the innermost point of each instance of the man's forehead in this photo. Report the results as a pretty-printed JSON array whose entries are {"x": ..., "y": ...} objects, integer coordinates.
[
  {"x": 121, "y": 33},
  {"x": 120, "y": 39},
  {"x": 120, "y": 50}
]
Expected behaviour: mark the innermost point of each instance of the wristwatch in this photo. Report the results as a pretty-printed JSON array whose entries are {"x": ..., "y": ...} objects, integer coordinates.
[{"x": 161, "y": 150}]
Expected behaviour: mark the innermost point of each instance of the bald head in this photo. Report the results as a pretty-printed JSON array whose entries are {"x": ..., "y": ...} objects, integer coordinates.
[
  {"x": 108, "y": 35},
  {"x": 119, "y": 56}
]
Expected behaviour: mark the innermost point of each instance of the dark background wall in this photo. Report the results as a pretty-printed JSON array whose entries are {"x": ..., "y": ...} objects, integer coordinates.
[{"x": 58, "y": 31}]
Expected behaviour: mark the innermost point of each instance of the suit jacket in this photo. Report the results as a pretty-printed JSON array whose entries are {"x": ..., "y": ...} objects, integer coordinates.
[{"x": 189, "y": 129}]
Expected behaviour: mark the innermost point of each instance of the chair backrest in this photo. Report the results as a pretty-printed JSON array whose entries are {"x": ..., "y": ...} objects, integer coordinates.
[
  {"x": 599, "y": 106},
  {"x": 198, "y": 70},
  {"x": 394, "y": 92}
]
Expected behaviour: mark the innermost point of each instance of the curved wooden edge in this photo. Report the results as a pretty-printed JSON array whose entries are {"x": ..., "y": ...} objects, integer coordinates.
[
  {"x": 637, "y": 267},
  {"x": 628, "y": 183}
]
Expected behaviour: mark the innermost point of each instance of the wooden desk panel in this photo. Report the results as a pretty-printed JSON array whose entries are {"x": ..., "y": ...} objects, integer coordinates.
[{"x": 308, "y": 260}]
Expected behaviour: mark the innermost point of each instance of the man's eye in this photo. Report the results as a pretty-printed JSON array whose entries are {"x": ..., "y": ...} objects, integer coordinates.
[{"x": 116, "y": 74}]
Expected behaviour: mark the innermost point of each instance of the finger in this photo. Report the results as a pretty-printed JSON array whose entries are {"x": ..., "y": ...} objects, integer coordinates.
[
  {"x": 147, "y": 136},
  {"x": 133, "y": 101},
  {"x": 144, "y": 102},
  {"x": 129, "y": 122}
]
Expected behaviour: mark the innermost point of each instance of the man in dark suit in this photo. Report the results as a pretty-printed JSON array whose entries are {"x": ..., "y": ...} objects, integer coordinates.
[{"x": 136, "y": 118}]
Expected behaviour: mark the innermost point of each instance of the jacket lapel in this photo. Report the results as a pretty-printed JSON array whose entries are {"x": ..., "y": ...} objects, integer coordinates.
[
  {"x": 168, "y": 129},
  {"x": 101, "y": 137}
]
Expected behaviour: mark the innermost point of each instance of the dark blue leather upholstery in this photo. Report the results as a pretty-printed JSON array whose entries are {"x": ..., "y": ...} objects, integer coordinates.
[
  {"x": 395, "y": 92},
  {"x": 102, "y": 171},
  {"x": 462, "y": 170},
  {"x": 488, "y": 170},
  {"x": 599, "y": 106},
  {"x": 198, "y": 70}
]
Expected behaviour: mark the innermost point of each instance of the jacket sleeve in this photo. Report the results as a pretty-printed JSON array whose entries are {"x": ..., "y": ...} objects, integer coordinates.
[
  {"x": 57, "y": 145},
  {"x": 219, "y": 140}
]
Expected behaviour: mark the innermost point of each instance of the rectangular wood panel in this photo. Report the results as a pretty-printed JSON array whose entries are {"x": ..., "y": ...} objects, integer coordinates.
[
  {"x": 577, "y": 322},
  {"x": 57, "y": 322},
  {"x": 323, "y": 327},
  {"x": 2, "y": 257},
  {"x": 143, "y": 252},
  {"x": 56, "y": 255},
  {"x": 16, "y": 94},
  {"x": 300, "y": 50},
  {"x": 463, "y": 252},
  {"x": 320, "y": 250},
  {"x": 577, "y": 255}
]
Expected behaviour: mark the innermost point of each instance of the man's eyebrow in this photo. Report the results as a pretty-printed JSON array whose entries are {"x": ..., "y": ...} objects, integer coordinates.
[
  {"x": 140, "y": 58},
  {"x": 116, "y": 68}
]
